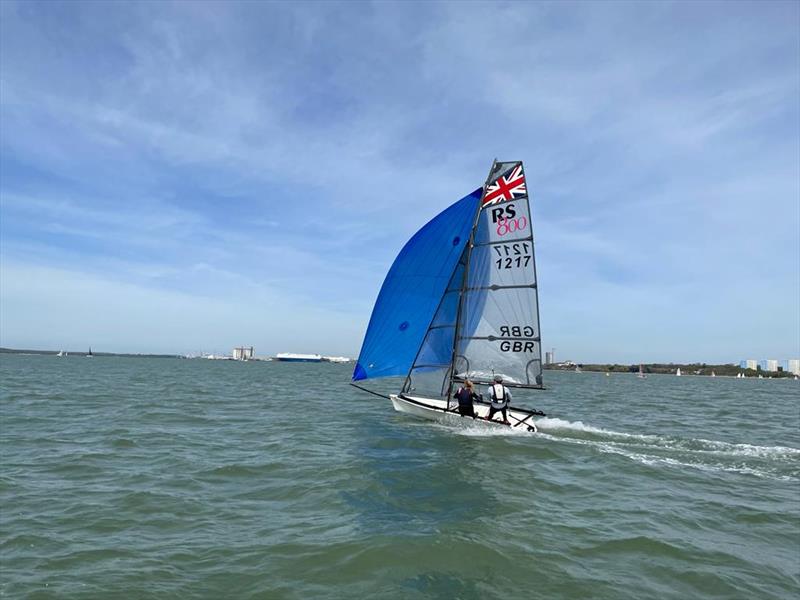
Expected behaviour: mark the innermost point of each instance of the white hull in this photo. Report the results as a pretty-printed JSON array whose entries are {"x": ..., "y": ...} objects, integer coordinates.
[
  {"x": 290, "y": 357},
  {"x": 437, "y": 410}
]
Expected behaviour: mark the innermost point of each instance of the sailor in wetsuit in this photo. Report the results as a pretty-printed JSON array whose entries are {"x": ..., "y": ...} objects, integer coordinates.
[
  {"x": 501, "y": 397},
  {"x": 465, "y": 395}
]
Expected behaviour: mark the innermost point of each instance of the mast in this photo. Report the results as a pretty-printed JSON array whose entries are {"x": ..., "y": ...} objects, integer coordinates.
[{"x": 465, "y": 278}]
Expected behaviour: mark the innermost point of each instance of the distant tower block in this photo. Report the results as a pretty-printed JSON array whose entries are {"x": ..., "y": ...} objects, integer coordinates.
[{"x": 243, "y": 353}]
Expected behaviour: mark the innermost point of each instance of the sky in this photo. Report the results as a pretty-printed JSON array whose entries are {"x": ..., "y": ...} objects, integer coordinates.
[{"x": 178, "y": 177}]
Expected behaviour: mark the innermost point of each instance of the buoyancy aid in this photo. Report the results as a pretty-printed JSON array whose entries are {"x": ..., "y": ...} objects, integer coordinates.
[{"x": 498, "y": 391}]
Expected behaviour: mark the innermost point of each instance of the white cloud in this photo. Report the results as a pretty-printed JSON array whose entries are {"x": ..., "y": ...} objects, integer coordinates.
[
  {"x": 196, "y": 148},
  {"x": 56, "y": 308}
]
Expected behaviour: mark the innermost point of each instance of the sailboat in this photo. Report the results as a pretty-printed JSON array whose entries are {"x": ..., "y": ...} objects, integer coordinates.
[
  {"x": 641, "y": 374},
  {"x": 460, "y": 302},
  {"x": 60, "y": 353},
  {"x": 678, "y": 372},
  {"x": 90, "y": 355}
]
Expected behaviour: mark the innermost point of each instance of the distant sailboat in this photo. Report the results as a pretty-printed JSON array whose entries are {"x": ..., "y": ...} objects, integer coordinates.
[
  {"x": 641, "y": 374},
  {"x": 678, "y": 373},
  {"x": 60, "y": 353},
  {"x": 90, "y": 355},
  {"x": 713, "y": 374},
  {"x": 578, "y": 369}
]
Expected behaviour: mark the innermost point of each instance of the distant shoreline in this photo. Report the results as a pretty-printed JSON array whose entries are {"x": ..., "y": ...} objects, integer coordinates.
[
  {"x": 701, "y": 369},
  {"x": 84, "y": 352},
  {"x": 687, "y": 369}
]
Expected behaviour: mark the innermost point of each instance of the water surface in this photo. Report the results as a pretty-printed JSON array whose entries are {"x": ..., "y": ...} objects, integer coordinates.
[{"x": 162, "y": 478}]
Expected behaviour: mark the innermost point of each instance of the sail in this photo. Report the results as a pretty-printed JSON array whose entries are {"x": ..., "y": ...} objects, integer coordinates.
[
  {"x": 413, "y": 291},
  {"x": 498, "y": 330},
  {"x": 430, "y": 373}
]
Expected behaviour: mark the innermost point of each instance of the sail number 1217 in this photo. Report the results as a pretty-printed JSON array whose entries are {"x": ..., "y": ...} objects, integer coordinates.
[{"x": 512, "y": 255}]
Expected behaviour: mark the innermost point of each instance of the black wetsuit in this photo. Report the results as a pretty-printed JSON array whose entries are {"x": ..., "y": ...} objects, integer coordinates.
[{"x": 465, "y": 398}]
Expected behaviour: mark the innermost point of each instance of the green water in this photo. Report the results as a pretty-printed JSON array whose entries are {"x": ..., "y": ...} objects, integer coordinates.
[{"x": 161, "y": 478}]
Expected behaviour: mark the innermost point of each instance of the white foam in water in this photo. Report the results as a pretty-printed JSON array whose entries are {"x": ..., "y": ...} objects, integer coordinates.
[
  {"x": 684, "y": 445},
  {"x": 484, "y": 431},
  {"x": 682, "y": 453},
  {"x": 551, "y": 424},
  {"x": 655, "y": 461},
  {"x": 650, "y": 460},
  {"x": 749, "y": 449}
]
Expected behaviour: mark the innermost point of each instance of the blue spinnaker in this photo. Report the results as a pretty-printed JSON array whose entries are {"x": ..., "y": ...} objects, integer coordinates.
[{"x": 412, "y": 291}]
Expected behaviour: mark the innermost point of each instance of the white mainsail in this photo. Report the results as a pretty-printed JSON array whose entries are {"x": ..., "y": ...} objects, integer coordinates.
[
  {"x": 499, "y": 325},
  {"x": 490, "y": 310}
]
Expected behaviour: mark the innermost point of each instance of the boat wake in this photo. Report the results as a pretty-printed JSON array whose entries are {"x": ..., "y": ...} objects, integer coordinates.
[{"x": 772, "y": 462}]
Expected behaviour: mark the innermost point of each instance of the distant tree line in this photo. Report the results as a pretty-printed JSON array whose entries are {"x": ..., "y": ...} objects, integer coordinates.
[
  {"x": 671, "y": 369},
  {"x": 82, "y": 352}
]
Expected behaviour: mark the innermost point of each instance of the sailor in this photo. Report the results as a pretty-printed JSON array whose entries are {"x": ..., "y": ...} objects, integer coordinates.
[
  {"x": 465, "y": 395},
  {"x": 501, "y": 397}
]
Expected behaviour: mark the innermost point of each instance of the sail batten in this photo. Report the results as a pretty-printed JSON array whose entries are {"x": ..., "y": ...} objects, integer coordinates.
[
  {"x": 495, "y": 287},
  {"x": 494, "y": 338},
  {"x": 522, "y": 239}
]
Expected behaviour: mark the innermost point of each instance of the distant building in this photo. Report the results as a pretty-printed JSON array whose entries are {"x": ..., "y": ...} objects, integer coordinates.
[
  {"x": 243, "y": 353},
  {"x": 794, "y": 366},
  {"x": 548, "y": 358},
  {"x": 751, "y": 364},
  {"x": 772, "y": 365},
  {"x": 742, "y": 364}
]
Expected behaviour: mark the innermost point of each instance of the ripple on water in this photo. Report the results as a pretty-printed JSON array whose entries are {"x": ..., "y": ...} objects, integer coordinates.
[{"x": 168, "y": 478}]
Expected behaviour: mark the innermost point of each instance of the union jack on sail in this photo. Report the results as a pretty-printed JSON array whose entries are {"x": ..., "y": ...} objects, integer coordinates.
[{"x": 506, "y": 188}]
